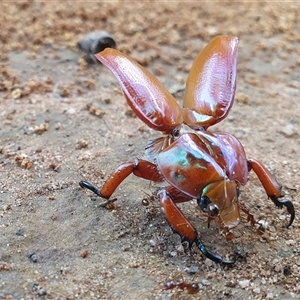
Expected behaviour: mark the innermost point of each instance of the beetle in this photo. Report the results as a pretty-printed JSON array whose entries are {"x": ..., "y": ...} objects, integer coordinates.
[{"x": 189, "y": 161}]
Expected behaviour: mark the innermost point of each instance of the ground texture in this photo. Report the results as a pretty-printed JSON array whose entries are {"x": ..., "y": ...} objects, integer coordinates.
[{"x": 63, "y": 121}]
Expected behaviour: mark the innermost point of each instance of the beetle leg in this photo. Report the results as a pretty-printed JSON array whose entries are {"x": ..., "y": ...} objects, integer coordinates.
[
  {"x": 250, "y": 217},
  {"x": 139, "y": 167},
  {"x": 223, "y": 227},
  {"x": 272, "y": 188},
  {"x": 183, "y": 227}
]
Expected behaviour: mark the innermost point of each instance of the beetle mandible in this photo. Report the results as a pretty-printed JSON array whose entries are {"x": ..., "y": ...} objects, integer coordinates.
[{"x": 189, "y": 161}]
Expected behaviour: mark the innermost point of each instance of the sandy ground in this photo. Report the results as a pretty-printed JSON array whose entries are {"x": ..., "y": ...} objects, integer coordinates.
[{"x": 55, "y": 243}]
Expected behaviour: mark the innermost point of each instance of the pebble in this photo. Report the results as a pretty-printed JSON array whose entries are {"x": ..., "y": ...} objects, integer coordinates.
[
  {"x": 84, "y": 253},
  {"x": 263, "y": 223},
  {"x": 42, "y": 292},
  {"x": 244, "y": 283},
  {"x": 180, "y": 248},
  {"x": 278, "y": 268},
  {"x": 205, "y": 282},
  {"x": 208, "y": 262},
  {"x": 71, "y": 111},
  {"x": 32, "y": 256},
  {"x": 256, "y": 290},
  {"x": 242, "y": 98},
  {"x": 30, "y": 253},
  {"x": 270, "y": 296},
  {"x": 152, "y": 243},
  {"x": 193, "y": 270},
  {"x": 291, "y": 242},
  {"x": 288, "y": 130},
  {"x": 20, "y": 232}
]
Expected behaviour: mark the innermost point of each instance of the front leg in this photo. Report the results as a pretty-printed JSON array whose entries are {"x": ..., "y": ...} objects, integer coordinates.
[
  {"x": 272, "y": 187},
  {"x": 183, "y": 227},
  {"x": 139, "y": 167}
]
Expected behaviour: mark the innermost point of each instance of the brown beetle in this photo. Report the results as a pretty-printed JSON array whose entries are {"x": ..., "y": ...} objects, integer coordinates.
[{"x": 190, "y": 162}]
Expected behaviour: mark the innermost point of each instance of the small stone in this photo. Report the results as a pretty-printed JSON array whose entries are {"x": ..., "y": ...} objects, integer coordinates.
[
  {"x": 39, "y": 129},
  {"x": 30, "y": 253},
  {"x": 35, "y": 287},
  {"x": 231, "y": 284},
  {"x": 270, "y": 296},
  {"x": 193, "y": 270},
  {"x": 244, "y": 283},
  {"x": 242, "y": 98},
  {"x": 42, "y": 292},
  {"x": 95, "y": 111},
  {"x": 82, "y": 144},
  {"x": 34, "y": 258},
  {"x": 277, "y": 268},
  {"x": 264, "y": 224},
  {"x": 23, "y": 161},
  {"x": 20, "y": 232},
  {"x": 291, "y": 242},
  {"x": 126, "y": 247},
  {"x": 180, "y": 248},
  {"x": 5, "y": 267},
  {"x": 107, "y": 100},
  {"x": 256, "y": 290},
  {"x": 275, "y": 261},
  {"x": 288, "y": 130},
  {"x": 17, "y": 93},
  {"x": 152, "y": 243},
  {"x": 84, "y": 253},
  {"x": 71, "y": 111},
  {"x": 205, "y": 282},
  {"x": 208, "y": 262}
]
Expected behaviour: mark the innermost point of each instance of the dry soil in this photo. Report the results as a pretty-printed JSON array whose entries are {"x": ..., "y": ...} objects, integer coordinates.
[{"x": 63, "y": 121}]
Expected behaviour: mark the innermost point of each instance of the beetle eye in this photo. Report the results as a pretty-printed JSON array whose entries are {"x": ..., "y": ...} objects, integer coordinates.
[
  {"x": 213, "y": 210},
  {"x": 175, "y": 132},
  {"x": 203, "y": 203}
]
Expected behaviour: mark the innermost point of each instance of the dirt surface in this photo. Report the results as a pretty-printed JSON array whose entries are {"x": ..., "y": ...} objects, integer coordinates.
[{"x": 55, "y": 242}]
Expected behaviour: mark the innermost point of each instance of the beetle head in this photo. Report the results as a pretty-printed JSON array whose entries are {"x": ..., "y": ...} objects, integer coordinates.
[{"x": 220, "y": 199}]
